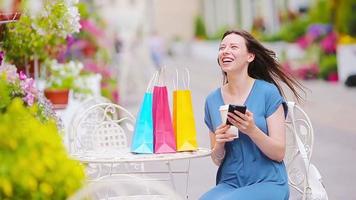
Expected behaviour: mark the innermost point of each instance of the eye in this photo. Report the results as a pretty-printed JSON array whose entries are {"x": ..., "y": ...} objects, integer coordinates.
[
  {"x": 221, "y": 48},
  {"x": 234, "y": 47}
]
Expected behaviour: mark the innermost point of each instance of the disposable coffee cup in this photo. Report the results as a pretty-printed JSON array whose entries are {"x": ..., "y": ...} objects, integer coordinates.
[{"x": 224, "y": 109}]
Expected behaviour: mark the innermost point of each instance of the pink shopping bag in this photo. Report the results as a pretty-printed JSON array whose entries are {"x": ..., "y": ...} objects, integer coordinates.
[{"x": 164, "y": 139}]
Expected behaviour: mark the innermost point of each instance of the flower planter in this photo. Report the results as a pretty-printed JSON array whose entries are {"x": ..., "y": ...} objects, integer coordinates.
[
  {"x": 346, "y": 59},
  {"x": 13, "y": 14},
  {"x": 58, "y": 97}
]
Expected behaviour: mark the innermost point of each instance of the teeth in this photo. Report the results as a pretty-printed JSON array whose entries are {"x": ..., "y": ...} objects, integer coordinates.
[{"x": 227, "y": 60}]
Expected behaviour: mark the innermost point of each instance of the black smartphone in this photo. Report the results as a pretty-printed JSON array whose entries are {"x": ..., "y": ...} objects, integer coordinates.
[{"x": 232, "y": 108}]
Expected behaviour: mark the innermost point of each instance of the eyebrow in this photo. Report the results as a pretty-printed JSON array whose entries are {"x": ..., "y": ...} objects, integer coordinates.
[{"x": 230, "y": 44}]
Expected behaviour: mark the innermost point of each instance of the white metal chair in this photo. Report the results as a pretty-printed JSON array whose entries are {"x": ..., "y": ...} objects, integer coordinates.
[
  {"x": 82, "y": 107},
  {"x": 304, "y": 177},
  {"x": 102, "y": 131},
  {"x": 125, "y": 187}
]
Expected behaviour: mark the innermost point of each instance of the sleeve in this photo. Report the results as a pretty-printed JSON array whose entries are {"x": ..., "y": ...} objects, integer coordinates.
[
  {"x": 207, "y": 118},
  {"x": 273, "y": 101}
]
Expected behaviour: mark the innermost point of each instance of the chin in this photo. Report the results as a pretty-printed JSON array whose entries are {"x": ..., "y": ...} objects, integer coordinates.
[{"x": 226, "y": 68}]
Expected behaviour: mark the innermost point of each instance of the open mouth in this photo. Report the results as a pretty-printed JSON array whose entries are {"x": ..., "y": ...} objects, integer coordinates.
[{"x": 227, "y": 60}]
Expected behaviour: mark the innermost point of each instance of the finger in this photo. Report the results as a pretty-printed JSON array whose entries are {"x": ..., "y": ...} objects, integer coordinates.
[
  {"x": 221, "y": 126},
  {"x": 225, "y": 140},
  {"x": 221, "y": 131},
  {"x": 240, "y": 114},
  {"x": 224, "y": 128},
  {"x": 249, "y": 113},
  {"x": 235, "y": 118},
  {"x": 227, "y": 137},
  {"x": 232, "y": 120}
]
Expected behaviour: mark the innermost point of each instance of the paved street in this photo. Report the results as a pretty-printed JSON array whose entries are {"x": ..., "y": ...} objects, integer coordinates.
[{"x": 331, "y": 107}]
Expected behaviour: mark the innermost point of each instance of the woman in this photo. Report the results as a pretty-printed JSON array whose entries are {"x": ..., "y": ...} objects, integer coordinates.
[{"x": 251, "y": 166}]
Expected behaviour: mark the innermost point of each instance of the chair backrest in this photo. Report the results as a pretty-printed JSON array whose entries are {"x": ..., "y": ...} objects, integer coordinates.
[
  {"x": 78, "y": 112},
  {"x": 103, "y": 127},
  {"x": 299, "y": 146},
  {"x": 123, "y": 186}
]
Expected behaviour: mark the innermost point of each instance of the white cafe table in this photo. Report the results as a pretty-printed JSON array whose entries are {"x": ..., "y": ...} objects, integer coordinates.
[{"x": 126, "y": 157}]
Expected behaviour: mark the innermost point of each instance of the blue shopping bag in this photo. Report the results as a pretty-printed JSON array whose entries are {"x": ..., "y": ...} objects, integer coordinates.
[{"x": 142, "y": 140}]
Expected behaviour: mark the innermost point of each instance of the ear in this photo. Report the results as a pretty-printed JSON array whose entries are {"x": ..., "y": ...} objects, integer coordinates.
[{"x": 251, "y": 57}]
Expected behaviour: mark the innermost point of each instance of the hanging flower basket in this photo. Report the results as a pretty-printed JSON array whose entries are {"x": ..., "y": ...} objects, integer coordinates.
[
  {"x": 58, "y": 97},
  {"x": 12, "y": 14}
]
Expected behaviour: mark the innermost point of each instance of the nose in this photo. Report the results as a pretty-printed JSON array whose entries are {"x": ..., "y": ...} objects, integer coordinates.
[{"x": 226, "y": 50}]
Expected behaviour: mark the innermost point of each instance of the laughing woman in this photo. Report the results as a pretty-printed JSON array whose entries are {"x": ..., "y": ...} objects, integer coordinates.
[{"x": 250, "y": 167}]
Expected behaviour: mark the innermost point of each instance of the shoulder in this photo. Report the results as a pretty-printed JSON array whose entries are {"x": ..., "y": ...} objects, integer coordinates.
[
  {"x": 213, "y": 96},
  {"x": 267, "y": 87}
]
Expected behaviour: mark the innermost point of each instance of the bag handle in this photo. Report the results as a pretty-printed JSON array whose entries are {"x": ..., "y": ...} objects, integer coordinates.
[
  {"x": 151, "y": 82},
  {"x": 161, "y": 80},
  {"x": 186, "y": 80},
  {"x": 175, "y": 83},
  {"x": 187, "y": 84}
]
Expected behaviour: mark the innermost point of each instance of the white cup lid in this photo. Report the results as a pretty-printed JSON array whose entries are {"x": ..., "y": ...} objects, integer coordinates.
[{"x": 224, "y": 107}]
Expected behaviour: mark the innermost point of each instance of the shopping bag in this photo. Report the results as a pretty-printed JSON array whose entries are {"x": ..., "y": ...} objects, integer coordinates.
[
  {"x": 183, "y": 117},
  {"x": 142, "y": 139},
  {"x": 164, "y": 139}
]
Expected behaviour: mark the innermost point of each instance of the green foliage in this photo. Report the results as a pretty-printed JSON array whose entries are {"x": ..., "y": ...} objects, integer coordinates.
[
  {"x": 21, "y": 41},
  {"x": 34, "y": 162},
  {"x": 218, "y": 34},
  {"x": 345, "y": 17},
  {"x": 109, "y": 89},
  {"x": 39, "y": 34},
  {"x": 290, "y": 32},
  {"x": 5, "y": 98},
  {"x": 83, "y": 10},
  {"x": 328, "y": 64},
  {"x": 200, "y": 31},
  {"x": 321, "y": 12}
]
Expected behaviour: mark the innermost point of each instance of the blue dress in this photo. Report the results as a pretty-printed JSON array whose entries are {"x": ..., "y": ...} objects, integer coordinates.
[{"x": 246, "y": 172}]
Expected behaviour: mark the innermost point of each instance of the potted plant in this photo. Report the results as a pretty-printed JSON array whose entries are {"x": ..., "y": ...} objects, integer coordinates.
[
  {"x": 10, "y": 12},
  {"x": 34, "y": 161},
  {"x": 62, "y": 77},
  {"x": 345, "y": 20},
  {"x": 40, "y": 34}
]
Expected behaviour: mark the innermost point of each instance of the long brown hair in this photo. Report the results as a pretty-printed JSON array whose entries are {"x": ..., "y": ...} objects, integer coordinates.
[{"x": 265, "y": 65}]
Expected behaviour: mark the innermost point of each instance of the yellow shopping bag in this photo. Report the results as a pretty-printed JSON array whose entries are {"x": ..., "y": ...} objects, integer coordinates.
[{"x": 183, "y": 118}]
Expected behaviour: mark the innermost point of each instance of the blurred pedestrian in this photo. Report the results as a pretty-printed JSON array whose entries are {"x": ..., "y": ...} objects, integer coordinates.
[
  {"x": 156, "y": 47},
  {"x": 250, "y": 166}
]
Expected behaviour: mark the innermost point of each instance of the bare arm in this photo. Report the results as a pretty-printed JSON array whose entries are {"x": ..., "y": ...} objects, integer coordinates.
[
  {"x": 272, "y": 145},
  {"x": 217, "y": 143}
]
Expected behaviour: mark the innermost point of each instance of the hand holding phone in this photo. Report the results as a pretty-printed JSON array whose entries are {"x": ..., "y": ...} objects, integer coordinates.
[{"x": 232, "y": 108}]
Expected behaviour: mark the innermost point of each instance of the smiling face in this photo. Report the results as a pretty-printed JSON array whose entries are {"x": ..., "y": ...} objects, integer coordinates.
[{"x": 233, "y": 54}]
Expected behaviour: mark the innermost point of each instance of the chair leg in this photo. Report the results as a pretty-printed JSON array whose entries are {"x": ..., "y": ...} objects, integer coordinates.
[
  {"x": 168, "y": 163},
  {"x": 187, "y": 180}
]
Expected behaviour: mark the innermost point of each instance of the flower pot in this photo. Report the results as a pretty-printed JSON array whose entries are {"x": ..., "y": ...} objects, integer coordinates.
[
  {"x": 346, "y": 59},
  {"x": 58, "y": 97},
  {"x": 13, "y": 13}
]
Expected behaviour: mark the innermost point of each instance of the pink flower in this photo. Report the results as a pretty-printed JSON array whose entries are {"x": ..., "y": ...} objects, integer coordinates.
[
  {"x": 29, "y": 99},
  {"x": 22, "y": 76},
  {"x": 328, "y": 44},
  {"x": 305, "y": 41},
  {"x": 28, "y": 86},
  {"x": 89, "y": 26},
  {"x": 115, "y": 96},
  {"x": 2, "y": 55}
]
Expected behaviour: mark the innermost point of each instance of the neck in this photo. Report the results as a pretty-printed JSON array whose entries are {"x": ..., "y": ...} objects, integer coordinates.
[{"x": 239, "y": 83}]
